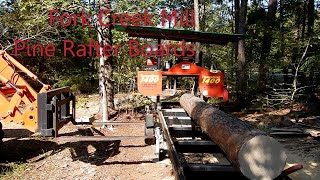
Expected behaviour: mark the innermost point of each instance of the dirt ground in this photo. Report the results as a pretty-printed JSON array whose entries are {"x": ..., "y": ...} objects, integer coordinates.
[
  {"x": 51, "y": 159},
  {"x": 27, "y": 156},
  {"x": 47, "y": 158}
]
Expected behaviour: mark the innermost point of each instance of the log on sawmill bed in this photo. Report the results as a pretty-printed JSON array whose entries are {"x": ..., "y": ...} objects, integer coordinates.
[{"x": 255, "y": 154}]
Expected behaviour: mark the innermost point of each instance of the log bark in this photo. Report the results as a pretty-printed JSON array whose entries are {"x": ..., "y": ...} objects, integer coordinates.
[{"x": 255, "y": 154}]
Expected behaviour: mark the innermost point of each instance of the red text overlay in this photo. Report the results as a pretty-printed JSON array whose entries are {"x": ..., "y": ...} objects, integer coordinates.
[{"x": 93, "y": 48}]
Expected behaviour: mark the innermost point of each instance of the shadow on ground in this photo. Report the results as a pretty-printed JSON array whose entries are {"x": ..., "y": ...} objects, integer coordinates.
[
  {"x": 16, "y": 133},
  {"x": 93, "y": 152},
  {"x": 23, "y": 150}
]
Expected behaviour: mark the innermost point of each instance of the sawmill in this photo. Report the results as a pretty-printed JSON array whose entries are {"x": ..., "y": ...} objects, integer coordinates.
[
  {"x": 160, "y": 90},
  {"x": 194, "y": 126},
  {"x": 190, "y": 126}
]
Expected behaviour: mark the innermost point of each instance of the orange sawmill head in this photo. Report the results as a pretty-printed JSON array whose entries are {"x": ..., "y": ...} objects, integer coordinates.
[
  {"x": 18, "y": 100},
  {"x": 211, "y": 84}
]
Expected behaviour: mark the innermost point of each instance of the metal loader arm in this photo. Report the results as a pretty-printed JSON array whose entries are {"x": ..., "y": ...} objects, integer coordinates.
[
  {"x": 45, "y": 111},
  {"x": 11, "y": 61}
]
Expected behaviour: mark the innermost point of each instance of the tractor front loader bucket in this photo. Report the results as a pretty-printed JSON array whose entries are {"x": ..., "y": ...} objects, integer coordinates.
[
  {"x": 55, "y": 109},
  {"x": 43, "y": 110}
]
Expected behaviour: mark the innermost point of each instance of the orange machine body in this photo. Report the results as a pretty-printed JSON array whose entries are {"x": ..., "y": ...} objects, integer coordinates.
[
  {"x": 18, "y": 100},
  {"x": 210, "y": 84}
]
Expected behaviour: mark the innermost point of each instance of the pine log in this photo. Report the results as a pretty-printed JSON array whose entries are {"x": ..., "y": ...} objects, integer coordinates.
[{"x": 255, "y": 154}]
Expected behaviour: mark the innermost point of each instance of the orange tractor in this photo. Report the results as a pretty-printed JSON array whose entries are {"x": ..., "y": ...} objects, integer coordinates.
[{"x": 45, "y": 110}]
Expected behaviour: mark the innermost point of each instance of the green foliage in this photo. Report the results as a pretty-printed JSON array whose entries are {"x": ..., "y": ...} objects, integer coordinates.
[
  {"x": 79, "y": 82},
  {"x": 29, "y": 20},
  {"x": 13, "y": 171}
]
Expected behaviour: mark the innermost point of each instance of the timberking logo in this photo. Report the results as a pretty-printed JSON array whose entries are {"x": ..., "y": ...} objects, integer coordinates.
[{"x": 183, "y": 18}]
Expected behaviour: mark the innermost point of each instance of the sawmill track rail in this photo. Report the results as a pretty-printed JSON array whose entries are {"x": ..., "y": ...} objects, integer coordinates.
[{"x": 184, "y": 140}]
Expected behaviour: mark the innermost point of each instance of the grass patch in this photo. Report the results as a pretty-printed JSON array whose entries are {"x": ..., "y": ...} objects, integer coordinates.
[
  {"x": 13, "y": 170},
  {"x": 82, "y": 99}
]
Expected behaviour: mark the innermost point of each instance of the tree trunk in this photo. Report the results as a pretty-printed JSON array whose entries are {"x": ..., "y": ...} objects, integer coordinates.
[
  {"x": 197, "y": 28},
  {"x": 197, "y": 46},
  {"x": 236, "y": 16},
  {"x": 304, "y": 20},
  {"x": 281, "y": 20},
  {"x": 266, "y": 44},
  {"x": 241, "y": 58},
  {"x": 311, "y": 17},
  {"x": 255, "y": 154},
  {"x": 105, "y": 69},
  {"x": 236, "y": 26}
]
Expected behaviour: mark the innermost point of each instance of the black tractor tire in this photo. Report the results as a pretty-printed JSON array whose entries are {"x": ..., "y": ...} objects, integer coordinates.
[{"x": 1, "y": 133}]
